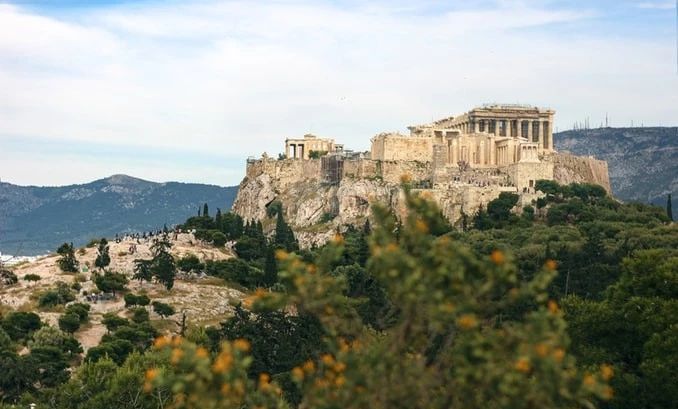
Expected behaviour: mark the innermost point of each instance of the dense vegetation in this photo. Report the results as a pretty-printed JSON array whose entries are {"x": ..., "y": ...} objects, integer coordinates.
[{"x": 569, "y": 302}]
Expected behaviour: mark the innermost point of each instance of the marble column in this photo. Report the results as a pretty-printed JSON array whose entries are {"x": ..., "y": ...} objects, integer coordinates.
[
  {"x": 529, "y": 130},
  {"x": 540, "y": 134}
]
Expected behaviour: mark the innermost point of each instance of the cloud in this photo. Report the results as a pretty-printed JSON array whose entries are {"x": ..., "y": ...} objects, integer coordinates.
[
  {"x": 236, "y": 78},
  {"x": 657, "y": 5}
]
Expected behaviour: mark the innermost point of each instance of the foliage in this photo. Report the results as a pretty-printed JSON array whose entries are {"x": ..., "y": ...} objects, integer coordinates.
[
  {"x": 32, "y": 277},
  {"x": 103, "y": 258},
  {"x": 110, "y": 281},
  {"x": 20, "y": 325},
  {"x": 132, "y": 300},
  {"x": 190, "y": 263},
  {"x": 236, "y": 270},
  {"x": 316, "y": 154},
  {"x": 60, "y": 294},
  {"x": 163, "y": 267},
  {"x": 67, "y": 262},
  {"x": 7, "y": 277},
  {"x": 69, "y": 322},
  {"x": 162, "y": 309},
  {"x": 284, "y": 236}
]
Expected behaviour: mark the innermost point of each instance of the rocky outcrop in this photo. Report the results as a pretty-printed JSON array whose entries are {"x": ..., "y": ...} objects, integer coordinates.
[{"x": 579, "y": 169}]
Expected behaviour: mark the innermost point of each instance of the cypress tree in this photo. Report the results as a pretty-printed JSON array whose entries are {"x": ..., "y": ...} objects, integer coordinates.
[
  {"x": 218, "y": 219},
  {"x": 205, "y": 210},
  {"x": 669, "y": 208},
  {"x": 103, "y": 258},
  {"x": 270, "y": 267}
]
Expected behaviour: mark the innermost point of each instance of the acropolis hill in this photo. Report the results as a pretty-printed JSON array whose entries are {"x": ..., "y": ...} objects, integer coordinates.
[{"x": 463, "y": 161}]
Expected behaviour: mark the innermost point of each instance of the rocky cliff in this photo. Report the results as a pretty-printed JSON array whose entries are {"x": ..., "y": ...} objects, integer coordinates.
[{"x": 317, "y": 206}]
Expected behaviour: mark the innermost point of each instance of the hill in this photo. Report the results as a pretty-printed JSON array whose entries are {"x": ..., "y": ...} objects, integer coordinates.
[
  {"x": 35, "y": 220},
  {"x": 643, "y": 162}
]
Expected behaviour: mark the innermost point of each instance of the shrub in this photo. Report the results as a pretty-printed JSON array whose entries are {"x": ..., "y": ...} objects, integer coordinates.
[
  {"x": 79, "y": 309},
  {"x": 32, "y": 277},
  {"x": 190, "y": 263},
  {"x": 61, "y": 294},
  {"x": 69, "y": 322},
  {"x": 162, "y": 309}
]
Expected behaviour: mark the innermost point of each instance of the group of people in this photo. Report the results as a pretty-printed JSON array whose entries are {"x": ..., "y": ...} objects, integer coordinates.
[{"x": 145, "y": 236}]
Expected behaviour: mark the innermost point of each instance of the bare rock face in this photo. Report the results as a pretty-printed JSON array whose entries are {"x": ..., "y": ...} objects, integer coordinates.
[{"x": 254, "y": 194}]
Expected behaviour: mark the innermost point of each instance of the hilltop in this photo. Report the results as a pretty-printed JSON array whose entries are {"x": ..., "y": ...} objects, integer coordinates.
[
  {"x": 35, "y": 220},
  {"x": 643, "y": 162}
]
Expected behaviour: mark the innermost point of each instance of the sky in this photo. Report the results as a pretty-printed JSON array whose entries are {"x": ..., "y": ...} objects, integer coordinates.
[{"x": 186, "y": 91}]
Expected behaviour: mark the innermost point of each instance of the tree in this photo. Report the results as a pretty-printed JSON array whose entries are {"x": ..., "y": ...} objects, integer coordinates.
[
  {"x": 218, "y": 219},
  {"x": 205, "y": 210},
  {"x": 103, "y": 258},
  {"x": 143, "y": 270},
  {"x": 284, "y": 236},
  {"x": 32, "y": 277},
  {"x": 20, "y": 325},
  {"x": 162, "y": 309},
  {"x": 79, "y": 309},
  {"x": 110, "y": 282},
  {"x": 67, "y": 263},
  {"x": 69, "y": 322},
  {"x": 190, "y": 263},
  {"x": 132, "y": 300},
  {"x": 669, "y": 208},
  {"x": 219, "y": 239},
  {"x": 270, "y": 268},
  {"x": 162, "y": 264},
  {"x": 60, "y": 294}
]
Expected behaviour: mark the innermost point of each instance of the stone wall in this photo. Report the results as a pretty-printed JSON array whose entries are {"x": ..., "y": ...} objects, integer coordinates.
[
  {"x": 524, "y": 175},
  {"x": 395, "y": 147},
  {"x": 579, "y": 169}
]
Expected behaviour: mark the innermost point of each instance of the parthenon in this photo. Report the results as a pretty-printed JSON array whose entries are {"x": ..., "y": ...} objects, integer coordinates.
[{"x": 488, "y": 136}]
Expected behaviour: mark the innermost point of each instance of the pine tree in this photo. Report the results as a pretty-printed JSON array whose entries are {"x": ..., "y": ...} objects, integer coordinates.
[
  {"x": 67, "y": 263},
  {"x": 163, "y": 266},
  {"x": 669, "y": 208},
  {"x": 284, "y": 236},
  {"x": 103, "y": 258},
  {"x": 205, "y": 210}
]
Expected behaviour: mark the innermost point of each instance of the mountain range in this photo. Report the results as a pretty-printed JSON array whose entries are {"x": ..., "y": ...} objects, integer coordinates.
[
  {"x": 36, "y": 220},
  {"x": 642, "y": 162}
]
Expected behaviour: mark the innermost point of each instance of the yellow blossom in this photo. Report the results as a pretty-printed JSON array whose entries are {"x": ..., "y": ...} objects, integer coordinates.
[
  {"x": 176, "y": 356},
  {"x": 201, "y": 352},
  {"x": 241, "y": 344},
  {"x": 176, "y": 341},
  {"x": 522, "y": 365},
  {"x": 151, "y": 374},
  {"x": 338, "y": 239},
  {"x": 339, "y": 367},
  {"x": 497, "y": 257},
  {"x": 281, "y": 255},
  {"x": 264, "y": 378},
  {"x": 559, "y": 354},
  {"x": 588, "y": 380},
  {"x": 327, "y": 359},
  {"x": 225, "y": 388},
  {"x": 606, "y": 372},
  {"x": 608, "y": 393},
  {"x": 551, "y": 265},
  {"x": 553, "y": 307},
  {"x": 467, "y": 321},
  {"x": 160, "y": 342},
  {"x": 222, "y": 363},
  {"x": 421, "y": 226},
  {"x": 541, "y": 349},
  {"x": 309, "y": 366},
  {"x": 297, "y": 374},
  {"x": 340, "y": 381}
]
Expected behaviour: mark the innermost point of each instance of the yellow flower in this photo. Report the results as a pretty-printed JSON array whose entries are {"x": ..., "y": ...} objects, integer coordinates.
[
  {"x": 551, "y": 265},
  {"x": 421, "y": 226},
  {"x": 338, "y": 239},
  {"x": 541, "y": 349},
  {"x": 553, "y": 307},
  {"x": 297, "y": 374},
  {"x": 522, "y": 365},
  {"x": 559, "y": 354},
  {"x": 608, "y": 393},
  {"x": 222, "y": 363},
  {"x": 176, "y": 356},
  {"x": 340, "y": 381},
  {"x": 588, "y": 380},
  {"x": 339, "y": 367},
  {"x": 151, "y": 374},
  {"x": 497, "y": 257},
  {"x": 309, "y": 366},
  {"x": 606, "y": 372},
  {"x": 241, "y": 344},
  {"x": 176, "y": 341},
  {"x": 225, "y": 389},
  {"x": 161, "y": 342},
  {"x": 201, "y": 352},
  {"x": 405, "y": 178},
  {"x": 264, "y": 378},
  {"x": 327, "y": 359},
  {"x": 467, "y": 321},
  {"x": 281, "y": 255}
]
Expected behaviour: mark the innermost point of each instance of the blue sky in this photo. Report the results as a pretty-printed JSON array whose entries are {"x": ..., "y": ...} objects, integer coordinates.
[{"x": 169, "y": 90}]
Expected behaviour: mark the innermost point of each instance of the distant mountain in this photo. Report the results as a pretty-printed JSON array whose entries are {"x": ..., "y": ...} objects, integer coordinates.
[
  {"x": 643, "y": 162},
  {"x": 35, "y": 220}
]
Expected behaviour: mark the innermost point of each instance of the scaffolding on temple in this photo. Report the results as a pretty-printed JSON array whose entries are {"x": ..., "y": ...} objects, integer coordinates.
[{"x": 332, "y": 168}]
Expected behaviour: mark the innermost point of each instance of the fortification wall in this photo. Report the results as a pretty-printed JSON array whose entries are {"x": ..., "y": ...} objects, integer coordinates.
[
  {"x": 579, "y": 169},
  {"x": 524, "y": 175},
  {"x": 285, "y": 172},
  {"x": 401, "y": 148}
]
